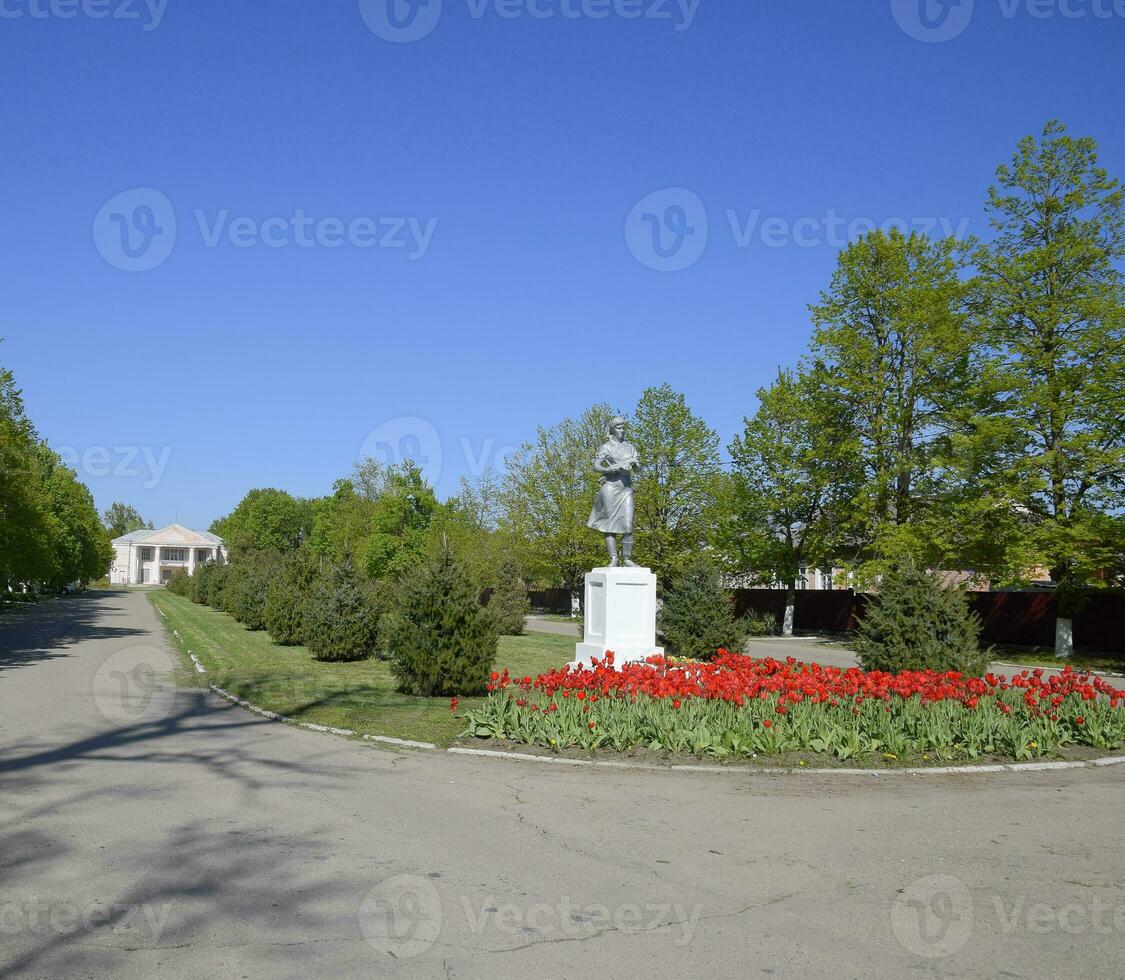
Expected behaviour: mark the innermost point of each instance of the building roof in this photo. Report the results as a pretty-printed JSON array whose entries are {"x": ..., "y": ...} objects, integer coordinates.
[{"x": 173, "y": 534}]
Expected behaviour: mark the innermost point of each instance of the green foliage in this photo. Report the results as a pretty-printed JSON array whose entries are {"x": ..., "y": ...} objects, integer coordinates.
[
  {"x": 761, "y": 623},
  {"x": 550, "y": 487},
  {"x": 1048, "y": 450},
  {"x": 180, "y": 583},
  {"x": 245, "y": 589},
  {"x": 50, "y": 534},
  {"x": 916, "y": 624},
  {"x": 121, "y": 519},
  {"x": 547, "y": 494},
  {"x": 209, "y": 585},
  {"x": 264, "y": 520},
  {"x": 470, "y": 524},
  {"x": 791, "y": 482},
  {"x": 285, "y": 596},
  {"x": 697, "y": 618},
  {"x": 509, "y": 604},
  {"x": 339, "y": 621},
  {"x": 891, "y": 351},
  {"x": 677, "y": 485},
  {"x": 400, "y": 519},
  {"x": 440, "y": 640}
]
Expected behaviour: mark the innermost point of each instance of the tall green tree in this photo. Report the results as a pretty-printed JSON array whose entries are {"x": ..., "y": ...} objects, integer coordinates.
[
  {"x": 50, "y": 534},
  {"x": 548, "y": 491},
  {"x": 470, "y": 523},
  {"x": 341, "y": 522},
  {"x": 24, "y": 533},
  {"x": 892, "y": 344},
  {"x": 677, "y": 485},
  {"x": 79, "y": 545},
  {"x": 1055, "y": 370},
  {"x": 120, "y": 519},
  {"x": 264, "y": 519},
  {"x": 400, "y": 520},
  {"x": 792, "y": 482}
]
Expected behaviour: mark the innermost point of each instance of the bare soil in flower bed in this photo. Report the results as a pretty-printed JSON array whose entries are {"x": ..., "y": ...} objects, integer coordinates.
[{"x": 789, "y": 760}]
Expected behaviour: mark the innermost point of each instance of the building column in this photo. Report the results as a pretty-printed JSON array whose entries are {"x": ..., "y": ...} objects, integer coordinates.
[
  {"x": 134, "y": 576},
  {"x": 191, "y": 561}
]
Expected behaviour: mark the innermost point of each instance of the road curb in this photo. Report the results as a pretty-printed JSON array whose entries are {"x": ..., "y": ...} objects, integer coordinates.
[{"x": 779, "y": 771}]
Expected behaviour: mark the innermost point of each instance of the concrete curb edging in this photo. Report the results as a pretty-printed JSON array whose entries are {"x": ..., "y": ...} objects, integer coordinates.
[
  {"x": 310, "y": 726},
  {"x": 776, "y": 770}
]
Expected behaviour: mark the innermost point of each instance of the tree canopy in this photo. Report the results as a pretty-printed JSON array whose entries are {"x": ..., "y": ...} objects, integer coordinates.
[{"x": 50, "y": 533}]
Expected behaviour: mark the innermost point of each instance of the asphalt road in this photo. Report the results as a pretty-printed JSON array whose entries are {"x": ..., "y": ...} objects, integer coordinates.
[
  {"x": 807, "y": 648},
  {"x": 149, "y": 831}
]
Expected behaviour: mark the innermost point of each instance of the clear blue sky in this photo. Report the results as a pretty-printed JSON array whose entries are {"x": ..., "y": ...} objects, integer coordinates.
[{"x": 530, "y": 140}]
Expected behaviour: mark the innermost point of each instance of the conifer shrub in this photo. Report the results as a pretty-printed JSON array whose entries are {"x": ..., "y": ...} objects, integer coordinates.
[
  {"x": 205, "y": 583},
  {"x": 245, "y": 592},
  {"x": 509, "y": 605},
  {"x": 914, "y": 623},
  {"x": 179, "y": 583},
  {"x": 441, "y": 641},
  {"x": 286, "y": 594},
  {"x": 339, "y": 622},
  {"x": 697, "y": 618}
]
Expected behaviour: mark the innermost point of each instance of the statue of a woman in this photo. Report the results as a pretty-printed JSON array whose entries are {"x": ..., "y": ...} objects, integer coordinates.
[{"x": 616, "y": 461}]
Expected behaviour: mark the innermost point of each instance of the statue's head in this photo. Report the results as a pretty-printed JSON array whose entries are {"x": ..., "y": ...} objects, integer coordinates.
[{"x": 617, "y": 429}]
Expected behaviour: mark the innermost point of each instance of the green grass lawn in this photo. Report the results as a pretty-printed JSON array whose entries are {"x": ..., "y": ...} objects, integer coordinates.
[{"x": 360, "y": 696}]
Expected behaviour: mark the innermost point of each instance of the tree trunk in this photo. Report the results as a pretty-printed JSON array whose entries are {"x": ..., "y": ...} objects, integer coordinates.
[
  {"x": 1064, "y": 638},
  {"x": 1064, "y": 612},
  {"x": 790, "y": 606}
]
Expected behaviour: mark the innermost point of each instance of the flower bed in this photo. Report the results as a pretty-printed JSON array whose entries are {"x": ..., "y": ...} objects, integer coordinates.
[{"x": 739, "y": 706}]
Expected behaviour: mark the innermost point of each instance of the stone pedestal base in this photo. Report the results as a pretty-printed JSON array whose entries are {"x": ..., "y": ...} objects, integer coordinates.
[{"x": 620, "y": 616}]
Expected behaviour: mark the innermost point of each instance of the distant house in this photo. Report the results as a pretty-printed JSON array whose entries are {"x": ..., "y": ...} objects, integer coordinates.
[{"x": 148, "y": 557}]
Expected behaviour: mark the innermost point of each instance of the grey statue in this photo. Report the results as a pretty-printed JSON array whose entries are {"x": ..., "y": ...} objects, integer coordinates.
[{"x": 616, "y": 461}]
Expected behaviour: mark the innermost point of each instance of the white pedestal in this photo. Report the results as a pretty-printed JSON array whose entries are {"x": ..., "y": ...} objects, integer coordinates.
[{"x": 620, "y": 616}]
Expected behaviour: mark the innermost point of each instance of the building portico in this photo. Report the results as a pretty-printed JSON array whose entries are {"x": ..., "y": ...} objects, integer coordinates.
[{"x": 149, "y": 557}]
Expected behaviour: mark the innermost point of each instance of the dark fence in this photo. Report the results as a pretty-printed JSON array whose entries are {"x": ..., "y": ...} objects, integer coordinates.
[
  {"x": 554, "y": 601},
  {"x": 1019, "y": 618}
]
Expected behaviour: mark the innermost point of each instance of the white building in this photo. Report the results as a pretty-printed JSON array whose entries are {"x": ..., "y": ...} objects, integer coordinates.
[{"x": 150, "y": 557}]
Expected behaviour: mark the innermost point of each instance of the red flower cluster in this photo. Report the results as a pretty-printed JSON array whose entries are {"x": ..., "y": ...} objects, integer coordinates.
[{"x": 737, "y": 679}]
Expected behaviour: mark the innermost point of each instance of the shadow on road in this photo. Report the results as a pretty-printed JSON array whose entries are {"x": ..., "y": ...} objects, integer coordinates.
[
  {"x": 46, "y": 632},
  {"x": 191, "y": 876}
]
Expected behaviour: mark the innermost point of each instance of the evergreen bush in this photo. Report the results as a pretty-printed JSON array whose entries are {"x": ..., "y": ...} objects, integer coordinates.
[
  {"x": 698, "y": 614},
  {"x": 916, "y": 624},
  {"x": 339, "y": 621},
  {"x": 179, "y": 583},
  {"x": 509, "y": 605},
  {"x": 201, "y": 582},
  {"x": 245, "y": 592},
  {"x": 440, "y": 640},
  {"x": 286, "y": 594}
]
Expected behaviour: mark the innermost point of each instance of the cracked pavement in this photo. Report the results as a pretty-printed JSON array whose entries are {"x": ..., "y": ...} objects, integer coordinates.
[{"x": 154, "y": 830}]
